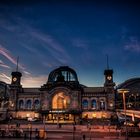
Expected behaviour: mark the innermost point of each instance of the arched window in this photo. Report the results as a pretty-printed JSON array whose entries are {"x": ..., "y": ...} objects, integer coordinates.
[
  {"x": 93, "y": 104},
  {"x": 102, "y": 104},
  {"x": 85, "y": 104},
  {"x": 60, "y": 101},
  {"x": 21, "y": 104},
  {"x": 62, "y": 74},
  {"x": 36, "y": 104},
  {"x": 29, "y": 104}
]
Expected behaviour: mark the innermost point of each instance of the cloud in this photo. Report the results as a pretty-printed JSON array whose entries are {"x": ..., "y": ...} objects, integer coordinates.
[
  {"x": 32, "y": 35},
  {"x": 26, "y": 72},
  {"x": 52, "y": 45},
  {"x": 8, "y": 55},
  {"x": 47, "y": 64},
  {"x": 4, "y": 65},
  {"x": 5, "y": 78},
  {"x": 133, "y": 45},
  {"x": 27, "y": 80},
  {"x": 80, "y": 43},
  {"x": 48, "y": 40},
  {"x": 34, "y": 81}
]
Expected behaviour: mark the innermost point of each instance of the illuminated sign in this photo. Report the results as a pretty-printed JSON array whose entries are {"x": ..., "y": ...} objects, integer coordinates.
[{"x": 57, "y": 111}]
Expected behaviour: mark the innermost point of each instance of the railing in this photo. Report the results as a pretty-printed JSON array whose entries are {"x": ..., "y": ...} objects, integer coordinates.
[{"x": 132, "y": 113}]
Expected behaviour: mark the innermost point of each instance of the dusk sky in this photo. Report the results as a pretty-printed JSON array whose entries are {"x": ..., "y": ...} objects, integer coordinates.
[{"x": 49, "y": 34}]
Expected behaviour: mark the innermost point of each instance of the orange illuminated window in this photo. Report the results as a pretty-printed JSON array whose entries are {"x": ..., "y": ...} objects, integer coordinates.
[{"x": 60, "y": 101}]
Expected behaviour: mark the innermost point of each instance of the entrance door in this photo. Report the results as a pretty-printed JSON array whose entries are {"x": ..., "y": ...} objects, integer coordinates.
[{"x": 60, "y": 118}]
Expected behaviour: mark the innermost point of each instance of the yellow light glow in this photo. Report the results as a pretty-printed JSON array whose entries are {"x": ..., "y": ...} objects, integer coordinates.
[
  {"x": 103, "y": 115},
  {"x": 111, "y": 104},
  {"x": 60, "y": 101},
  {"x": 28, "y": 115},
  {"x": 36, "y": 115},
  {"x": 123, "y": 90},
  {"x": 94, "y": 115}
]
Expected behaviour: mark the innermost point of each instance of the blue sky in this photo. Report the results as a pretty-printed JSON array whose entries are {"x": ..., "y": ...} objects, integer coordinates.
[{"x": 49, "y": 34}]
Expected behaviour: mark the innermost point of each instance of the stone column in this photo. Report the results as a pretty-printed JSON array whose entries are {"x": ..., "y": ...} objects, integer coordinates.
[{"x": 89, "y": 103}]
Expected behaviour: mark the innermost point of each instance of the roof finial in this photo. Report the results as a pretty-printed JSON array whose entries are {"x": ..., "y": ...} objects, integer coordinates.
[
  {"x": 17, "y": 63},
  {"x": 107, "y": 61}
]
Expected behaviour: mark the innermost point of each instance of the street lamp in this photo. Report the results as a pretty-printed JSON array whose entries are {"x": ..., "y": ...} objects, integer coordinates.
[
  {"x": 124, "y": 91},
  {"x": 89, "y": 127},
  {"x": 74, "y": 129},
  {"x": 30, "y": 130}
]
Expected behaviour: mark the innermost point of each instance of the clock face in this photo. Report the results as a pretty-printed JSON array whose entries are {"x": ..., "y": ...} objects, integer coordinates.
[
  {"x": 14, "y": 79},
  {"x": 109, "y": 77}
]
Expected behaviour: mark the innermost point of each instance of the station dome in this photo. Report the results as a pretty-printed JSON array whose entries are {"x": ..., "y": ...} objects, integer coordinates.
[{"x": 63, "y": 74}]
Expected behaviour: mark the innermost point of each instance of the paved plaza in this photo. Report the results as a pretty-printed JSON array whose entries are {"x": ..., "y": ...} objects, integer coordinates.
[{"x": 66, "y": 132}]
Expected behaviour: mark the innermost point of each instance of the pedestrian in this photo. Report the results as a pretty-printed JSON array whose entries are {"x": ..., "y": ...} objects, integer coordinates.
[
  {"x": 21, "y": 132},
  {"x": 3, "y": 133},
  {"x": 25, "y": 136},
  {"x": 36, "y": 134},
  {"x": 84, "y": 137},
  {"x": 59, "y": 125}
]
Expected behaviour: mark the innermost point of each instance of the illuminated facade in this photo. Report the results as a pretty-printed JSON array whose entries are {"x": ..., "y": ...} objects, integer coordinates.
[{"x": 61, "y": 99}]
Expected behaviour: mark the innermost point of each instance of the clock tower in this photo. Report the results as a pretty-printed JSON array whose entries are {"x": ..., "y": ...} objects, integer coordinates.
[
  {"x": 15, "y": 89},
  {"x": 108, "y": 73},
  {"x": 109, "y": 77},
  {"x": 16, "y": 78},
  {"x": 109, "y": 88}
]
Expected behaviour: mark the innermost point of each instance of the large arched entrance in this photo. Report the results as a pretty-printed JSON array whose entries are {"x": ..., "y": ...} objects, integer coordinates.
[
  {"x": 60, "y": 101},
  {"x": 60, "y": 112}
]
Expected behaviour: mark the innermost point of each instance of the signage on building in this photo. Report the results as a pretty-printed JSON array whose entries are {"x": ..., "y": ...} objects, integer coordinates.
[{"x": 57, "y": 111}]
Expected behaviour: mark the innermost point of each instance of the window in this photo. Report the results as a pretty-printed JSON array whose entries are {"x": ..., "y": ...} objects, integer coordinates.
[
  {"x": 60, "y": 101},
  {"x": 21, "y": 104},
  {"x": 102, "y": 104},
  {"x": 93, "y": 104},
  {"x": 36, "y": 104},
  {"x": 29, "y": 104},
  {"x": 85, "y": 104}
]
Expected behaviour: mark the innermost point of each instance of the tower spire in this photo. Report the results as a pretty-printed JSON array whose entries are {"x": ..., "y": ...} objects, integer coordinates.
[
  {"x": 107, "y": 61},
  {"x": 17, "y": 63}
]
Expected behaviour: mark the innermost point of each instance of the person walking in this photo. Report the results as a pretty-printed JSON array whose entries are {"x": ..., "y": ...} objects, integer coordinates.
[{"x": 84, "y": 137}]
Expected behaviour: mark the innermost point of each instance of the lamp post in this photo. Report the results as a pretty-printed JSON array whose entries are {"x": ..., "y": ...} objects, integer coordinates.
[
  {"x": 124, "y": 91},
  {"x": 74, "y": 129},
  {"x": 44, "y": 123},
  {"x": 90, "y": 132},
  {"x": 30, "y": 130}
]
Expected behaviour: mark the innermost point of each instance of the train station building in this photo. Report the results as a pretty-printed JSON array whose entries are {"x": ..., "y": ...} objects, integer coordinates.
[{"x": 61, "y": 99}]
